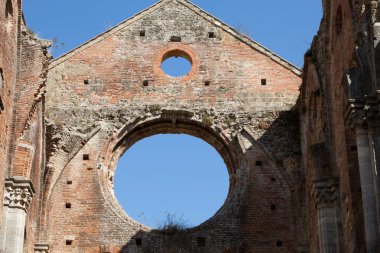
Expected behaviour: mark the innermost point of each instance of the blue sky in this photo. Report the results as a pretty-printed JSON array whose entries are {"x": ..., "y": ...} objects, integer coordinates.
[
  {"x": 171, "y": 174},
  {"x": 285, "y": 27},
  {"x": 170, "y": 182}
]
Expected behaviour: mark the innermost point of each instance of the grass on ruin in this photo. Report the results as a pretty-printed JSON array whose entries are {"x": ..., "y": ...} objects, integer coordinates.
[{"x": 172, "y": 225}]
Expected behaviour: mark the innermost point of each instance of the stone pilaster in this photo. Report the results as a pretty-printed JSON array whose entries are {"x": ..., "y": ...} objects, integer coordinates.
[
  {"x": 368, "y": 176},
  {"x": 326, "y": 195},
  {"x": 17, "y": 198},
  {"x": 374, "y": 145}
]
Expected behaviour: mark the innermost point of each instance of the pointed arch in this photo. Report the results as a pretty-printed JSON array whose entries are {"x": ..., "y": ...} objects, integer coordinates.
[{"x": 8, "y": 10}]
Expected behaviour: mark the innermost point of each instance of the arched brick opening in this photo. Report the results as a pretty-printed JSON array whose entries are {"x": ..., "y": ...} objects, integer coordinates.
[
  {"x": 185, "y": 181},
  {"x": 9, "y": 15},
  {"x": 8, "y": 9},
  {"x": 173, "y": 123},
  {"x": 176, "y": 63},
  {"x": 251, "y": 171},
  {"x": 179, "y": 50},
  {"x": 176, "y": 126}
]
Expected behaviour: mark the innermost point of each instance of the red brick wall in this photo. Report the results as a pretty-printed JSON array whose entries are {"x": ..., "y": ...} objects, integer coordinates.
[
  {"x": 244, "y": 120},
  {"x": 23, "y": 60},
  {"x": 23, "y": 159},
  {"x": 95, "y": 218},
  {"x": 36, "y": 134},
  {"x": 8, "y": 64},
  {"x": 96, "y": 104}
]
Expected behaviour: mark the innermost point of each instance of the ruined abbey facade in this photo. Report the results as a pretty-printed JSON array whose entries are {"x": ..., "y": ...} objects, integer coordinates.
[{"x": 301, "y": 146}]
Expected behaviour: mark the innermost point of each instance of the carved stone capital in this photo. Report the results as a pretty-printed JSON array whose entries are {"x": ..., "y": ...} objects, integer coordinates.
[
  {"x": 372, "y": 112},
  {"x": 41, "y": 248},
  {"x": 357, "y": 117},
  {"x": 18, "y": 193},
  {"x": 326, "y": 192},
  {"x": 363, "y": 115}
]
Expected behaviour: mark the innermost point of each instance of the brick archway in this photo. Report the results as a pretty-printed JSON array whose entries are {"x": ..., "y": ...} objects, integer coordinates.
[{"x": 173, "y": 122}]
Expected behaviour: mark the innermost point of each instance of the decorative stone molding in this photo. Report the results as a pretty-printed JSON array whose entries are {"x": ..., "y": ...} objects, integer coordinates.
[
  {"x": 363, "y": 114},
  {"x": 326, "y": 192},
  {"x": 18, "y": 193},
  {"x": 371, "y": 112},
  {"x": 41, "y": 248},
  {"x": 356, "y": 116}
]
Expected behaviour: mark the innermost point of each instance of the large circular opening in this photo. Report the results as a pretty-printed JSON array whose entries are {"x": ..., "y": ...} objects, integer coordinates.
[
  {"x": 171, "y": 178},
  {"x": 176, "y": 63}
]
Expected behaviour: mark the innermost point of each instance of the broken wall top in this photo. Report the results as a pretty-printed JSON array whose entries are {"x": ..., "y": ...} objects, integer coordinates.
[{"x": 121, "y": 69}]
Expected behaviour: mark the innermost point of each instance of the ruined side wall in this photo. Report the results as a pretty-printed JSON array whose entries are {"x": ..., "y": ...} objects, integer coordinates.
[
  {"x": 23, "y": 63},
  {"x": 97, "y": 104},
  {"x": 30, "y": 126},
  {"x": 328, "y": 142},
  {"x": 8, "y": 64}
]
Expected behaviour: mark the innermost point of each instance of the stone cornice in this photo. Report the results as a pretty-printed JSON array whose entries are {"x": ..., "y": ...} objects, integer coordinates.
[
  {"x": 41, "y": 248},
  {"x": 363, "y": 115},
  {"x": 18, "y": 193}
]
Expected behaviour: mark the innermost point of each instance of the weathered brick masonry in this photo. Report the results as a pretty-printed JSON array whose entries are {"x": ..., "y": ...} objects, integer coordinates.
[
  {"x": 23, "y": 66},
  {"x": 339, "y": 130},
  {"x": 302, "y": 165},
  {"x": 8, "y": 69},
  {"x": 98, "y": 102}
]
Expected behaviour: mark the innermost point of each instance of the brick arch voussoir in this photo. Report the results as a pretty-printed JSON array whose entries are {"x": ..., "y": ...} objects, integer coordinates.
[
  {"x": 116, "y": 147},
  {"x": 169, "y": 122}
]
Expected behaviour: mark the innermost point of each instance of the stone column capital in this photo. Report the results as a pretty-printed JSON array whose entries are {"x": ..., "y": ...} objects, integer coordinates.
[
  {"x": 357, "y": 117},
  {"x": 326, "y": 192},
  {"x": 18, "y": 193},
  {"x": 364, "y": 115},
  {"x": 373, "y": 115},
  {"x": 41, "y": 248}
]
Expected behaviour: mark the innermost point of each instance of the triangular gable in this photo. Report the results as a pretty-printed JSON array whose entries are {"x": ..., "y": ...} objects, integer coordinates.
[{"x": 216, "y": 22}]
